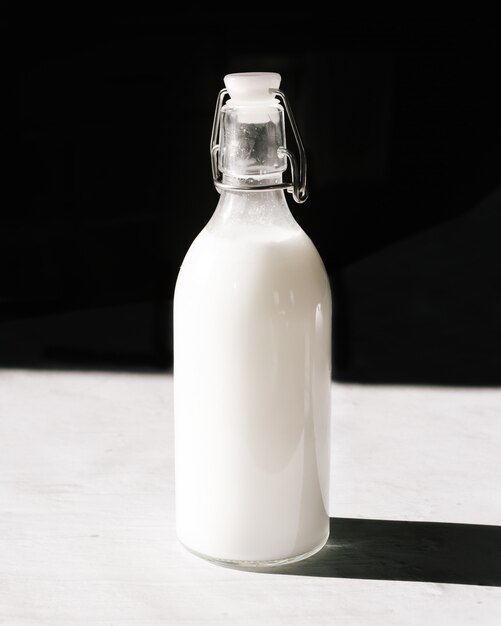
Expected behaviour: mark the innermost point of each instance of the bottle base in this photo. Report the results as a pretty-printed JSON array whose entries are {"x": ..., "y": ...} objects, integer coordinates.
[{"x": 260, "y": 564}]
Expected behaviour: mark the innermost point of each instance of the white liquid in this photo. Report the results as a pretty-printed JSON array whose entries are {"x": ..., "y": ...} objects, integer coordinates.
[{"x": 252, "y": 372}]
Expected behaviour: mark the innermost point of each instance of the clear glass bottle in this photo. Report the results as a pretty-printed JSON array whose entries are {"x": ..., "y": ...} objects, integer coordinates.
[{"x": 252, "y": 352}]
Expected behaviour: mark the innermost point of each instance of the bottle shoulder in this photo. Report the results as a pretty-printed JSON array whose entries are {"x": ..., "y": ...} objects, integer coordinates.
[
  {"x": 237, "y": 241},
  {"x": 267, "y": 255}
]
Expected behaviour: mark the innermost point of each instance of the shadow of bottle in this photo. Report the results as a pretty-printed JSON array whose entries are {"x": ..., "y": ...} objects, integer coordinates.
[{"x": 467, "y": 554}]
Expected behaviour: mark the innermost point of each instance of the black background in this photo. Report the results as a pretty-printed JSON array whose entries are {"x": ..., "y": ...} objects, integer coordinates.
[{"x": 107, "y": 181}]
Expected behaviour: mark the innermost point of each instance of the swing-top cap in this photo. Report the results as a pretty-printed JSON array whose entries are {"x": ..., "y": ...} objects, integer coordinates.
[{"x": 248, "y": 136}]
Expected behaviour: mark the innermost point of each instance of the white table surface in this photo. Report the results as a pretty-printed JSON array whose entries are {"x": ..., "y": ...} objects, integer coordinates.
[{"x": 87, "y": 531}]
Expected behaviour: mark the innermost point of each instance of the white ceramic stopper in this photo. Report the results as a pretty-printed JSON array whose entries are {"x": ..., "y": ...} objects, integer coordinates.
[{"x": 250, "y": 88}]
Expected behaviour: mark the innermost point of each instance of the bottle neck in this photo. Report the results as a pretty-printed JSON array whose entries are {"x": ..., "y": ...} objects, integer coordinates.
[
  {"x": 238, "y": 209},
  {"x": 251, "y": 141},
  {"x": 260, "y": 180}
]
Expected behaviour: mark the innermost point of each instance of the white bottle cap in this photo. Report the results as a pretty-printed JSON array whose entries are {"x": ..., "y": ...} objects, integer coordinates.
[{"x": 251, "y": 88}]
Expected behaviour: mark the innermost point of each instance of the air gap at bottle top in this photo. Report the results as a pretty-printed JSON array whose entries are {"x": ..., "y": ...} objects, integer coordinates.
[{"x": 252, "y": 349}]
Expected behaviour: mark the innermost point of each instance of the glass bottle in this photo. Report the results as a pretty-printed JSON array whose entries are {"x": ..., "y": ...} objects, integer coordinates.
[{"x": 252, "y": 350}]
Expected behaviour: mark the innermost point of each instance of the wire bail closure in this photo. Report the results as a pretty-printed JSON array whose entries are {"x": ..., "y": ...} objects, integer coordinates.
[{"x": 298, "y": 171}]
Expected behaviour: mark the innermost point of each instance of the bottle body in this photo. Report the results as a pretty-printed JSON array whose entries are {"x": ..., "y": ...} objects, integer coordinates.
[{"x": 252, "y": 373}]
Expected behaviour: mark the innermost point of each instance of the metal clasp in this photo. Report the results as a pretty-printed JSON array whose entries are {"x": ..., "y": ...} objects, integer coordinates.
[{"x": 298, "y": 171}]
